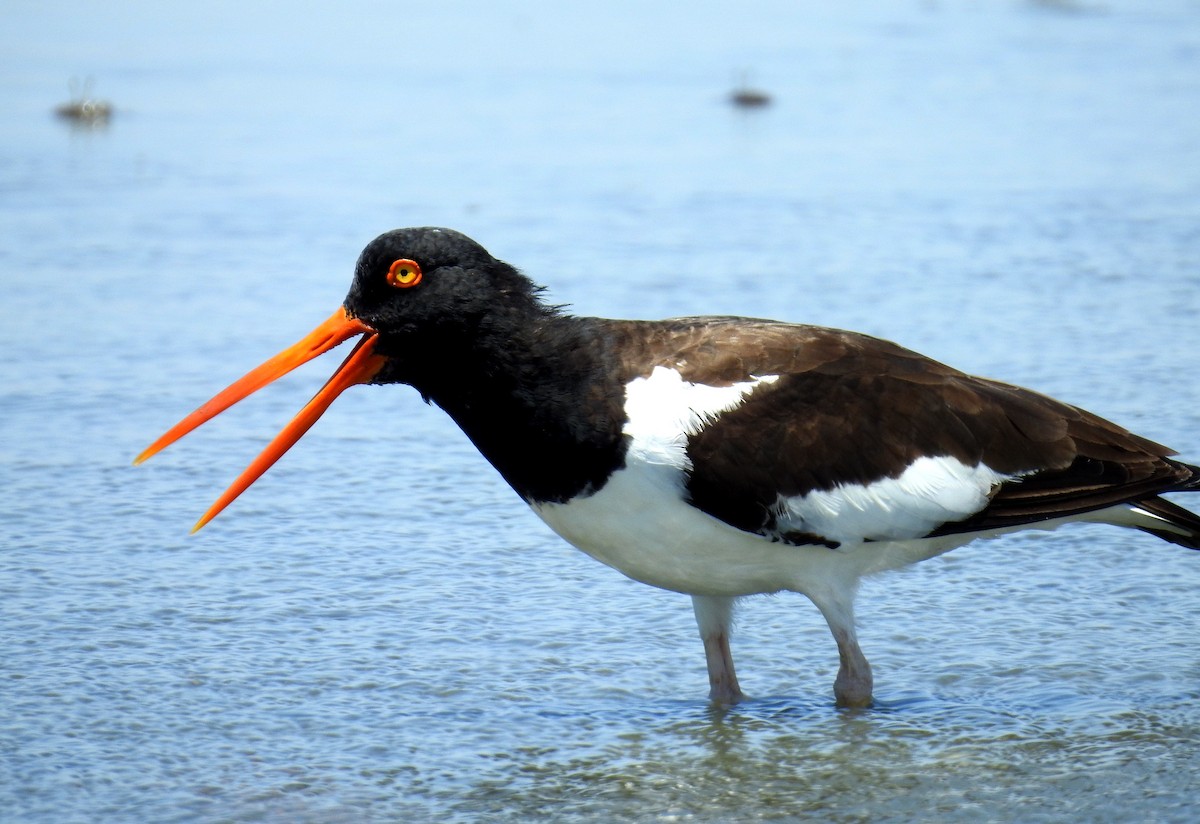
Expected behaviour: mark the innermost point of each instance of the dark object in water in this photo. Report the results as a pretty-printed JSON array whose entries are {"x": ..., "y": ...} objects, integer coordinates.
[
  {"x": 746, "y": 98},
  {"x": 82, "y": 107}
]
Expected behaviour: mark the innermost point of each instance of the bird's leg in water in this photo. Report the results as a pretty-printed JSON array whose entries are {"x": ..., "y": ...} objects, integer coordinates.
[
  {"x": 852, "y": 687},
  {"x": 714, "y": 616}
]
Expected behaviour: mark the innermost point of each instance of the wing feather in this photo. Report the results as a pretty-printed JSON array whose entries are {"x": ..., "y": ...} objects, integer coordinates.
[{"x": 852, "y": 411}]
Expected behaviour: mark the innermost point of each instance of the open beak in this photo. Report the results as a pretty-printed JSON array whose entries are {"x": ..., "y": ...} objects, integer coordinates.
[{"x": 360, "y": 366}]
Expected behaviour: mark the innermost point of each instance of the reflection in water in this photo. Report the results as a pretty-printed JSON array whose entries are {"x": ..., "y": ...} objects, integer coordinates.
[{"x": 783, "y": 760}]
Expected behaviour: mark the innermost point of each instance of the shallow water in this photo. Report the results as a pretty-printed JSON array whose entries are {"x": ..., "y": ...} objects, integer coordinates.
[{"x": 379, "y": 630}]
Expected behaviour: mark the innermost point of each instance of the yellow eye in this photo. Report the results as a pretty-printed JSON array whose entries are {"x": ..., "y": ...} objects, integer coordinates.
[{"x": 404, "y": 273}]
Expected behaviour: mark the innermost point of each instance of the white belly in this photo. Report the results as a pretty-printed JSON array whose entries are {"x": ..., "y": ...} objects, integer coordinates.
[
  {"x": 639, "y": 524},
  {"x": 649, "y": 533}
]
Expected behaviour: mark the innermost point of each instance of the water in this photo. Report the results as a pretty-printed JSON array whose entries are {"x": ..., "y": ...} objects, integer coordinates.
[{"x": 378, "y": 630}]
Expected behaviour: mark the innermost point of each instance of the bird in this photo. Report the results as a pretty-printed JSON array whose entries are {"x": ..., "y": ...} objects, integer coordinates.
[
  {"x": 718, "y": 456},
  {"x": 745, "y": 96},
  {"x": 82, "y": 108}
]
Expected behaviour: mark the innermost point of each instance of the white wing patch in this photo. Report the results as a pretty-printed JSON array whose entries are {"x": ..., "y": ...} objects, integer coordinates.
[
  {"x": 664, "y": 409},
  {"x": 930, "y": 492}
]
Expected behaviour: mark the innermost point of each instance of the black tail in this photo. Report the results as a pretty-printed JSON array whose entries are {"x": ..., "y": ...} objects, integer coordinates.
[{"x": 1180, "y": 525}]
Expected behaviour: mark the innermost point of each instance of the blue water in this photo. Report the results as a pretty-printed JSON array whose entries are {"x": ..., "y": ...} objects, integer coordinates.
[{"x": 378, "y": 630}]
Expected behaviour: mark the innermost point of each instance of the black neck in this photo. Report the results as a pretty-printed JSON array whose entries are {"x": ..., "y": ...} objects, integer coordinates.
[{"x": 540, "y": 398}]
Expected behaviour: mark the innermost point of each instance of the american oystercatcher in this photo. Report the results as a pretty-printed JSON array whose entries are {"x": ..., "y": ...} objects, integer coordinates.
[{"x": 720, "y": 456}]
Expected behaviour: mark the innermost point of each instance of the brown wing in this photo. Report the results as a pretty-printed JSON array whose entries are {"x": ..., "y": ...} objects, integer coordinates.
[{"x": 851, "y": 409}]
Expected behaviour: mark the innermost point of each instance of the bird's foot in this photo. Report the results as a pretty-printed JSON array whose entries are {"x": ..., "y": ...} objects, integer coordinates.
[
  {"x": 725, "y": 693},
  {"x": 852, "y": 689}
]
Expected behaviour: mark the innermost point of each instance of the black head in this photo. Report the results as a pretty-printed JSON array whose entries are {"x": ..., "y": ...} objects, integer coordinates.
[{"x": 430, "y": 281}]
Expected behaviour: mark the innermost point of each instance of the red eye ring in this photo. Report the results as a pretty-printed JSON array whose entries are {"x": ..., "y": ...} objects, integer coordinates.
[{"x": 404, "y": 273}]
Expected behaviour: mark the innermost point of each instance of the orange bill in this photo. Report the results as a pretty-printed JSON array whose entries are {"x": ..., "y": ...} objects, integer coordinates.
[{"x": 359, "y": 367}]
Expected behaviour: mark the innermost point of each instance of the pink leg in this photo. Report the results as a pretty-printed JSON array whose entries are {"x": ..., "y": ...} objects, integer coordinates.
[
  {"x": 722, "y": 680},
  {"x": 853, "y": 685},
  {"x": 714, "y": 616}
]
